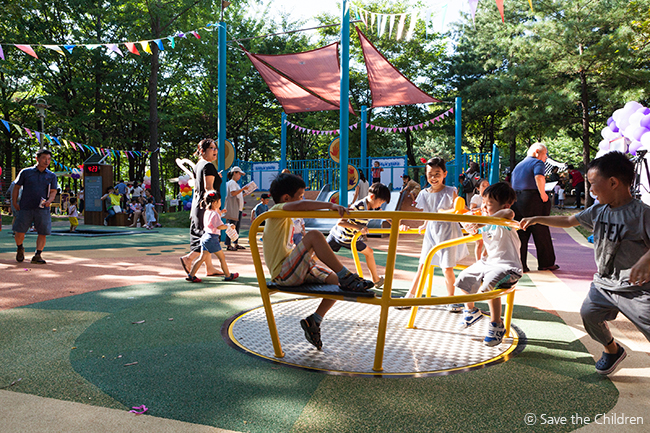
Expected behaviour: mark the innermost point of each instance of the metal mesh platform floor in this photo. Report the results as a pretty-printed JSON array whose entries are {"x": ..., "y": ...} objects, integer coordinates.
[{"x": 439, "y": 345}]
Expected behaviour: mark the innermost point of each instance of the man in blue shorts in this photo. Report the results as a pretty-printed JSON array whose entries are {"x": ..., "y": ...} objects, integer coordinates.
[{"x": 39, "y": 190}]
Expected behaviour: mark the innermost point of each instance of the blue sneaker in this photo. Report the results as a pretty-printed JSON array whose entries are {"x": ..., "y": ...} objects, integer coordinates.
[
  {"x": 496, "y": 331},
  {"x": 470, "y": 317},
  {"x": 455, "y": 308},
  {"x": 608, "y": 363}
]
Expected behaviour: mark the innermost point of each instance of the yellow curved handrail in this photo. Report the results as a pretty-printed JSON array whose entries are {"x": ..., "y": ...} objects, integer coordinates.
[{"x": 386, "y": 300}]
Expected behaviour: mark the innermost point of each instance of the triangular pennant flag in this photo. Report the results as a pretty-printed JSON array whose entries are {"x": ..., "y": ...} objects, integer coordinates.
[
  {"x": 114, "y": 48},
  {"x": 411, "y": 128},
  {"x": 179, "y": 35},
  {"x": 443, "y": 11},
  {"x": 27, "y": 49},
  {"x": 172, "y": 41},
  {"x": 20, "y": 130},
  {"x": 2, "y": 53},
  {"x": 160, "y": 45},
  {"x": 55, "y": 48},
  {"x": 48, "y": 138},
  {"x": 451, "y": 111},
  {"x": 38, "y": 136},
  {"x": 421, "y": 125},
  {"x": 390, "y": 26},
  {"x": 196, "y": 34},
  {"x": 400, "y": 26},
  {"x": 394, "y": 129},
  {"x": 69, "y": 48},
  {"x": 500, "y": 7},
  {"x": 531, "y": 5},
  {"x": 427, "y": 20},
  {"x": 372, "y": 19},
  {"x": 382, "y": 24},
  {"x": 92, "y": 46},
  {"x": 57, "y": 141},
  {"x": 73, "y": 146},
  {"x": 132, "y": 49},
  {"x": 472, "y": 8},
  {"x": 29, "y": 133},
  {"x": 414, "y": 18},
  {"x": 6, "y": 125},
  {"x": 145, "y": 46}
]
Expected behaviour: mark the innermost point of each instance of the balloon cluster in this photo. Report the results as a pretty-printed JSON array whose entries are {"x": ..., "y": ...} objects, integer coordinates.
[
  {"x": 146, "y": 182},
  {"x": 628, "y": 130},
  {"x": 76, "y": 173},
  {"x": 186, "y": 191}
]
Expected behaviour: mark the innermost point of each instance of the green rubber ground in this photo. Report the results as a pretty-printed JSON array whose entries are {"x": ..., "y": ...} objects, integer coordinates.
[{"x": 76, "y": 348}]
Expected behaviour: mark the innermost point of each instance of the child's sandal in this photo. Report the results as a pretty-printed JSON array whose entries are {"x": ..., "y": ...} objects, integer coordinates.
[{"x": 233, "y": 276}]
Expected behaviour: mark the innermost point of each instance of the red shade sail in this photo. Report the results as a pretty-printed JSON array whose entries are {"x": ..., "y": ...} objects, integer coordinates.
[
  {"x": 308, "y": 81},
  {"x": 387, "y": 85}
]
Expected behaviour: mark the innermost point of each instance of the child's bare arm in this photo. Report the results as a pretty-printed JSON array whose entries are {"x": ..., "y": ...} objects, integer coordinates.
[
  {"x": 504, "y": 213},
  {"x": 553, "y": 221},
  {"x": 640, "y": 272},
  {"x": 314, "y": 205}
]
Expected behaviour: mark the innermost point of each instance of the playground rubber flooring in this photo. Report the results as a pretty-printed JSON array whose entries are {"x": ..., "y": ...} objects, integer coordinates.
[{"x": 110, "y": 324}]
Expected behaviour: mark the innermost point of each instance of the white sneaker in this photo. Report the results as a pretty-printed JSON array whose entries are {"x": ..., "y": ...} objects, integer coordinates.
[
  {"x": 455, "y": 308},
  {"x": 496, "y": 331},
  {"x": 470, "y": 317},
  {"x": 105, "y": 222}
]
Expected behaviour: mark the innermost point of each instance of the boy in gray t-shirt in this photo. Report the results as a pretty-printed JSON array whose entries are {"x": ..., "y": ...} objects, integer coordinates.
[{"x": 621, "y": 226}]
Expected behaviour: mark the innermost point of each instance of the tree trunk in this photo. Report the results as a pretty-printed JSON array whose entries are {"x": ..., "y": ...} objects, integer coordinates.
[
  {"x": 410, "y": 156},
  {"x": 153, "y": 114},
  {"x": 585, "y": 133},
  {"x": 513, "y": 152}
]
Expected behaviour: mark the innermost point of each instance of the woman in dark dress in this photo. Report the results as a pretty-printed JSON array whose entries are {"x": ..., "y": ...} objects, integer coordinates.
[{"x": 206, "y": 178}]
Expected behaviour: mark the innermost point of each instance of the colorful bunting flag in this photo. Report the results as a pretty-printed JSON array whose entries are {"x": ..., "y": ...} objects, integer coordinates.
[
  {"x": 27, "y": 49},
  {"x": 69, "y": 48},
  {"x": 2, "y": 53},
  {"x": 145, "y": 46},
  {"x": 6, "y": 125},
  {"x": 500, "y": 7},
  {"x": 160, "y": 45},
  {"x": 132, "y": 49},
  {"x": 55, "y": 48}
]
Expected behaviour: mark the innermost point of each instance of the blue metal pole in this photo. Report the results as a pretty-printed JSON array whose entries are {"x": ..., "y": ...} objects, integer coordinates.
[
  {"x": 221, "y": 107},
  {"x": 283, "y": 142},
  {"x": 344, "y": 115},
  {"x": 459, "y": 141},
  {"x": 364, "y": 140}
]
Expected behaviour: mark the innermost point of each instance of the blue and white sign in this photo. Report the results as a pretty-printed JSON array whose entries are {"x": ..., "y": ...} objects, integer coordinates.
[
  {"x": 394, "y": 168},
  {"x": 263, "y": 173}
]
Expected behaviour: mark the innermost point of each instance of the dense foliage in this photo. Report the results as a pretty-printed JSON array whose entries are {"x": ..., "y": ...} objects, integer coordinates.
[{"x": 555, "y": 74}]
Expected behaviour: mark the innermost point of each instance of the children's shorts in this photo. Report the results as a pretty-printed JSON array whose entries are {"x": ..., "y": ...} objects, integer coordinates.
[
  {"x": 73, "y": 221},
  {"x": 336, "y": 245},
  {"x": 480, "y": 274},
  {"x": 299, "y": 268},
  {"x": 211, "y": 243}
]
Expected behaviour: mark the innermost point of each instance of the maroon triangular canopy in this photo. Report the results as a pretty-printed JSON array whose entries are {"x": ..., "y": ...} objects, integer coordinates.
[
  {"x": 308, "y": 81},
  {"x": 387, "y": 85}
]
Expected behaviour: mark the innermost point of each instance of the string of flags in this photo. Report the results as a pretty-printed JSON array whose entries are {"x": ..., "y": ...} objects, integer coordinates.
[
  {"x": 373, "y": 127},
  {"x": 112, "y": 47},
  {"x": 43, "y": 138}
]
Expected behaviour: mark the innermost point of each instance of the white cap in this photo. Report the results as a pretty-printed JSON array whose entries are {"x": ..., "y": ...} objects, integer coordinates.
[{"x": 236, "y": 169}]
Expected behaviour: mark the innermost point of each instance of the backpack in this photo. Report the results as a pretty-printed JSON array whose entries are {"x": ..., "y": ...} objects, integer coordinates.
[{"x": 468, "y": 184}]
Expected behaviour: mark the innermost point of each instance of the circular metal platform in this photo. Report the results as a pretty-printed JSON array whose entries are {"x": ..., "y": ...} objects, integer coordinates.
[{"x": 439, "y": 345}]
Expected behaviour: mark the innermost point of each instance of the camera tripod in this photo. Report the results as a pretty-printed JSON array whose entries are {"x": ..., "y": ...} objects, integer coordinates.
[{"x": 640, "y": 165}]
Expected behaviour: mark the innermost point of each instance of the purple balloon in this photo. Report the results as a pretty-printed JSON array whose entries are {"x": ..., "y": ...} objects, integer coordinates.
[
  {"x": 634, "y": 146},
  {"x": 609, "y": 121},
  {"x": 638, "y": 132},
  {"x": 645, "y": 122},
  {"x": 643, "y": 110},
  {"x": 613, "y": 127},
  {"x": 187, "y": 206}
]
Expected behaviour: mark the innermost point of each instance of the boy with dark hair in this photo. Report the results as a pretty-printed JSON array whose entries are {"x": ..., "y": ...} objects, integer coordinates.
[
  {"x": 499, "y": 267},
  {"x": 342, "y": 233},
  {"x": 621, "y": 226},
  {"x": 293, "y": 267}
]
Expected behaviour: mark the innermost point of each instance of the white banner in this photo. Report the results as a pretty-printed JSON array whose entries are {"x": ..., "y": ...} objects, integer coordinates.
[{"x": 264, "y": 173}]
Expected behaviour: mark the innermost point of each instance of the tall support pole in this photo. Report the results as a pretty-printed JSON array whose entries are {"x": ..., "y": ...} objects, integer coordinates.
[
  {"x": 459, "y": 141},
  {"x": 344, "y": 103},
  {"x": 221, "y": 107},
  {"x": 364, "y": 140},
  {"x": 283, "y": 142}
]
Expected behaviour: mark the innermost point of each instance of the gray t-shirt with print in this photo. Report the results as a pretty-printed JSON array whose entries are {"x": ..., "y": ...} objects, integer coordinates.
[{"x": 621, "y": 237}]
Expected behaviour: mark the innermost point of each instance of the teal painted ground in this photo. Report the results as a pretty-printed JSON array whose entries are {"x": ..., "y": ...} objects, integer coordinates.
[{"x": 76, "y": 348}]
